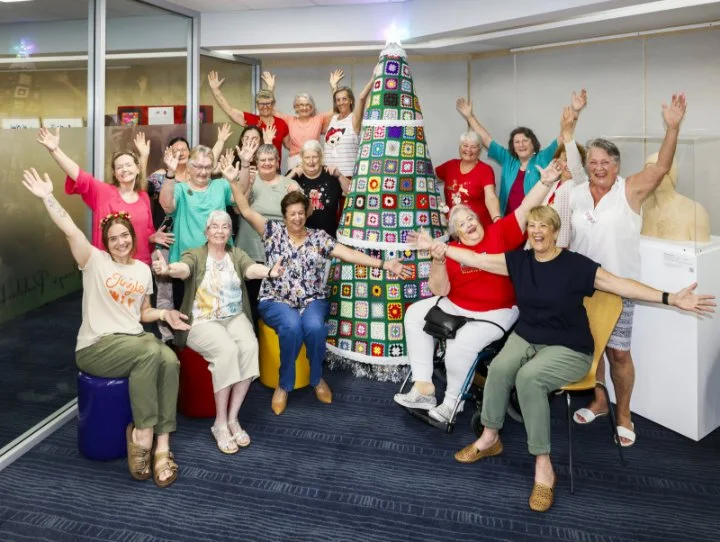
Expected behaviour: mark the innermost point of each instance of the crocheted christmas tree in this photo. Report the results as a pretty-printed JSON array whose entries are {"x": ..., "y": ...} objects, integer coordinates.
[{"x": 393, "y": 192}]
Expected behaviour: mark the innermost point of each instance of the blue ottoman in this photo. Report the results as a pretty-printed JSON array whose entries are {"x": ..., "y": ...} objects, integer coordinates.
[{"x": 103, "y": 414}]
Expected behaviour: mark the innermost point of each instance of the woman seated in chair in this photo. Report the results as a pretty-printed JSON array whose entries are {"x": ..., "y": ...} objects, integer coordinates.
[
  {"x": 467, "y": 292},
  {"x": 111, "y": 342},
  {"x": 217, "y": 304},
  {"x": 296, "y": 305},
  {"x": 551, "y": 345}
]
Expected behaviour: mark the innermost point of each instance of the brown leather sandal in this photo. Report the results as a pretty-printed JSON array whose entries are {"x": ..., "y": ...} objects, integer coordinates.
[
  {"x": 164, "y": 461},
  {"x": 138, "y": 457}
]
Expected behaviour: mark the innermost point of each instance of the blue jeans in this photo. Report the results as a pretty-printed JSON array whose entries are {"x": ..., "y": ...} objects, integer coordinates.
[{"x": 294, "y": 328}]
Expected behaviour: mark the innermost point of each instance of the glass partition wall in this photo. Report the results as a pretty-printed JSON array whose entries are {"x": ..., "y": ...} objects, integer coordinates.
[{"x": 75, "y": 65}]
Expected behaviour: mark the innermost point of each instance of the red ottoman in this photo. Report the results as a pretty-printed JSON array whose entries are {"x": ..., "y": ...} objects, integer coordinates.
[{"x": 196, "y": 398}]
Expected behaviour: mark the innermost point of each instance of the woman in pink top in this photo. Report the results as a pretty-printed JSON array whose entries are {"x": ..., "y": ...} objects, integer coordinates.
[
  {"x": 307, "y": 124},
  {"x": 125, "y": 193}
]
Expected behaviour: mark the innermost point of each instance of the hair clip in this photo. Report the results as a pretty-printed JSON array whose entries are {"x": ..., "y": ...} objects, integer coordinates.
[{"x": 116, "y": 214}]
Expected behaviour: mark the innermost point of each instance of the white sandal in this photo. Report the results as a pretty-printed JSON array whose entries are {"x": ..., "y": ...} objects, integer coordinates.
[
  {"x": 239, "y": 434},
  {"x": 584, "y": 416},
  {"x": 225, "y": 441},
  {"x": 627, "y": 434}
]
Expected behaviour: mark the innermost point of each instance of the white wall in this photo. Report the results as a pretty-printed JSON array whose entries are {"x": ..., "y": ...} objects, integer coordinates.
[{"x": 627, "y": 82}]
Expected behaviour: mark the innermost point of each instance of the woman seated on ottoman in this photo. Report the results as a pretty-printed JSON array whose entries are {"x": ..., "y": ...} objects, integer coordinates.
[
  {"x": 296, "y": 305},
  {"x": 551, "y": 345},
  {"x": 111, "y": 342},
  {"x": 217, "y": 303}
]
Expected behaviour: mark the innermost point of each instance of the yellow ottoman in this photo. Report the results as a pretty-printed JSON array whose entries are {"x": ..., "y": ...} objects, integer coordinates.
[{"x": 270, "y": 359}]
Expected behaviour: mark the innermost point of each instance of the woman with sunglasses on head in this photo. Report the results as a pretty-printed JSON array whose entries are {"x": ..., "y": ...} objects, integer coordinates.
[
  {"x": 265, "y": 119},
  {"x": 111, "y": 342},
  {"x": 125, "y": 192}
]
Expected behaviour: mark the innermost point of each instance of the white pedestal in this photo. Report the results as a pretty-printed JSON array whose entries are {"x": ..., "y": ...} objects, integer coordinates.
[{"x": 677, "y": 354}]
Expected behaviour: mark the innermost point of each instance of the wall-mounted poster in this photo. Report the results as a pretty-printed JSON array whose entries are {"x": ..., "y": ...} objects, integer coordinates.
[
  {"x": 161, "y": 115},
  {"x": 63, "y": 123},
  {"x": 20, "y": 123}
]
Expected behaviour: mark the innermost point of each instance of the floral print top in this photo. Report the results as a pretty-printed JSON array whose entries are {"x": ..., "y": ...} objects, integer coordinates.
[{"x": 304, "y": 278}]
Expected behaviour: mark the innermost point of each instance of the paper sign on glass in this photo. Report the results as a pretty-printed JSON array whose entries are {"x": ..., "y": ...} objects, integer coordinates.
[{"x": 161, "y": 115}]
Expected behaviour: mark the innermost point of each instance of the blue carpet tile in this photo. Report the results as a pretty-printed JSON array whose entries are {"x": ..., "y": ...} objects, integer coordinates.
[{"x": 362, "y": 469}]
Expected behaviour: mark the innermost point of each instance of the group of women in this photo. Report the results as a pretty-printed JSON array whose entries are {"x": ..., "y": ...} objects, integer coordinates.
[
  {"x": 484, "y": 274},
  {"x": 275, "y": 269}
]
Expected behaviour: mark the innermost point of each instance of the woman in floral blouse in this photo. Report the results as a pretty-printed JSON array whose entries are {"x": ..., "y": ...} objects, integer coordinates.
[{"x": 295, "y": 305}]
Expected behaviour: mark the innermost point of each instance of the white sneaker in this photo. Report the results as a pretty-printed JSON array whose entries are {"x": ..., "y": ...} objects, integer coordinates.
[
  {"x": 442, "y": 412},
  {"x": 415, "y": 399}
]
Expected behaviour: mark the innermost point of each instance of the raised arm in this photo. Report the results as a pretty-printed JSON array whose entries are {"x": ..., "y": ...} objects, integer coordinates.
[
  {"x": 260, "y": 271},
  {"x": 537, "y": 194},
  {"x": 641, "y": 184},
  {"x": 224, "y": 134},
  {"x": 255, "y": 219},
  {"x": 685, "y": 299},
  {"x": 177, "y": 270},
  {"x": 167, "y": 192},
  {"x": 42, "y": 188},
  {"x": 350, "y": 255},
  {"x": 215, "y": 83},
  {"x": 51, "y": 141},
  {"x": 464, "y": 107},
  {"x": 269, "y": 80},
  {"x": 143, "y": 148},
  {"x": 360, "y": 106},
  {"x": 492, "y": 202}
]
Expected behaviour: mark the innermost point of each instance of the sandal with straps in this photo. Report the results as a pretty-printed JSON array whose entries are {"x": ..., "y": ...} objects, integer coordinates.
[
  {"x": 239, "y": 434},
  {"x": 138, "y": 456},
  {"x": 225, "y": 441},
  {"x": 162, "y": 462}
]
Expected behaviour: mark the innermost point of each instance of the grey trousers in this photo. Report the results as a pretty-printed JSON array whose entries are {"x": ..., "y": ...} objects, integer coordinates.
[
  {"x": 535, "y": 370},
  {"x": 153, "y": 370}
]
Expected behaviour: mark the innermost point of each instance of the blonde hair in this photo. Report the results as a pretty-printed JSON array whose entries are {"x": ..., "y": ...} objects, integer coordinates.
[
  {"x": 545, "y": 214},
  {"x": 201, "y": 150}
]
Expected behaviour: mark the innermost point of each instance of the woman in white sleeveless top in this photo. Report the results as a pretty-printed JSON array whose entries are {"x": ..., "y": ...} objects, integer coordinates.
[
  {"x": 342, "y": 137},
  {"x": 606, "y": 223}
]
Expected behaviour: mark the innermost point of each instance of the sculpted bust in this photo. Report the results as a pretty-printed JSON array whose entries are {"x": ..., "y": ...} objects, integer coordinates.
[{"x": 672, "y": 216}]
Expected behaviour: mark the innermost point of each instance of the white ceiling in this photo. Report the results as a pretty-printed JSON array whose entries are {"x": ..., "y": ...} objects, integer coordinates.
[{"x": 239, "y": 5}]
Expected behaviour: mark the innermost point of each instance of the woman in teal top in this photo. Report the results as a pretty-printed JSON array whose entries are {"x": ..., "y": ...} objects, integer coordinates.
[{"x": 520, "y": 158}]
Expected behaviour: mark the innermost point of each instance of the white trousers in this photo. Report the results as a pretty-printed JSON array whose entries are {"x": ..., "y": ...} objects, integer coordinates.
[
  {"x": 230, "y": 348},
  {"x": 461, "y": 351}
]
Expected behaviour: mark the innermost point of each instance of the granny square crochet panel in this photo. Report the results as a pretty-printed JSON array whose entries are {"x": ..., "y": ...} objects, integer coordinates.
[{"x": 393, "y": 191}]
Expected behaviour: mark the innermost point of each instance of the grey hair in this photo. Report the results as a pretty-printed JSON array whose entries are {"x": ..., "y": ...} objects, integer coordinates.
[
  {"x": 306, "y": 96},
  {"x": 452, "y": 227},
  {"x": 312, "y": 145},
  {"x": 605, "y": 145},
  {"x": 471, "y": 137},
  {"x": 201, "y": 150},
  {"x": 218, "y": 216},
  {"x": 267, "y": 148}
]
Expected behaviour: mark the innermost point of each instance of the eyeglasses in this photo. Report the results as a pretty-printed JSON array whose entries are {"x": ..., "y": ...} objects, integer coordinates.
[
  {"x": 219, "y": 227},
  {"x": 202, "y": 168},
  {"x": 264, "y": 104}
]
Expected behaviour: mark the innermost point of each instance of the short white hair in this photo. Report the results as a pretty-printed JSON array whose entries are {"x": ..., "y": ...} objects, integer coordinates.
[
  {"x": 305, "y": 96},
  {"x": 452, "y": 227},
  {"x": 312, "y": 145},
  {"x": 218, "y": 216},
  {"x": 471, "y": 137}
]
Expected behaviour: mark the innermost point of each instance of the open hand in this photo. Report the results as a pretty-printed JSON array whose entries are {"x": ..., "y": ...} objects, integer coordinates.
[
  {"x": 141, "y": 144},
  {"x": 579, "y": 101},
  {"x": 464, "y": 107},
  {"x": 224, "y": 132},
  {"x": 567, "y": 121},
  {"x": 335, "y": 77},
  {"x": 170, "y": 157},
  {"x": 269, "y": 134},
  {"x": 269, "y": 80},
  {"x": 247, "y": 153},
  {"x": 686, "y": 300},
  {"x": 38, "y": 187},
  {"x": 214, "y": 80},
  {"x": 396, "y": 267},
  {"x": 420, "y": 239},
  {"x": 163, "y": 238},
  {"x": 177, "y": 320},
  {"x": 674, "y": 113},
  {"x": 551, "y": 173},
  {"x": 231, "y": 171},
  {"x": 49, "y": 140}
]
